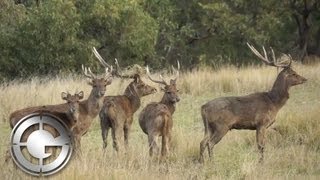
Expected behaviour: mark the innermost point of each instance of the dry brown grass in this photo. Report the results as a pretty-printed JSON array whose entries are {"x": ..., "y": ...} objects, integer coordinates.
[{"x": 294, "y": 153}]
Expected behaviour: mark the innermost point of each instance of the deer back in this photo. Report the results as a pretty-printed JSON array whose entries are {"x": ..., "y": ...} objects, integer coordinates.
[{"x": 151, "y": 117}]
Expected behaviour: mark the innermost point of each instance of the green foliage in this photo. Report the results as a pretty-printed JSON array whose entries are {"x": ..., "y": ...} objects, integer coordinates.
[
  {"x": 44, "y": 42},
  {"x": 48, "y": 37}
]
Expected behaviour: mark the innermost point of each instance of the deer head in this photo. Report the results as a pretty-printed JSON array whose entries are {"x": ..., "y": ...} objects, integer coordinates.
[
  {"x": 170, "y": 90},
  {"x": 137, "y": 86},
  {"x": 98, "y": 84},
  {"x": 140, "y": 87},
  {"x": 287, "y": 76},
  {"x": 73, "y": 103}
]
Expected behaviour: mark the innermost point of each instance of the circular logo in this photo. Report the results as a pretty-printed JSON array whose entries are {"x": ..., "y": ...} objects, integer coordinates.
[{"x": 41, "y": 144}]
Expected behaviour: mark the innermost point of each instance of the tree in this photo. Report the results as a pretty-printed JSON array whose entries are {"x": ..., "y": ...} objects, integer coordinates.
[{"x": 306, "y": 14}]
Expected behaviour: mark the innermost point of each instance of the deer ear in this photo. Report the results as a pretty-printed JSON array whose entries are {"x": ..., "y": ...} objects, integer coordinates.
[
  {"x": 80, "y": 94},
  {"x": 108, "y": 81},
  {"x": 64, "y": 95},
  {"x": 90, "y": 82},
  {"x": 137, "y": 78},
  {"x": 162, "y": 89}
]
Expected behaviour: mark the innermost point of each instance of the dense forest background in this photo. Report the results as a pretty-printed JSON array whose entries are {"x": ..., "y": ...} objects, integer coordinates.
[{"x": 40, "y": 37}]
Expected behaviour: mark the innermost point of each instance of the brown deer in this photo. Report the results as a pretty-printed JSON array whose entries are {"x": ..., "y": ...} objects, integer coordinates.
[
  {"x": 254, "y": 112},
  {"x": 70, "y": 117},
  {"x": 156, "y": 118},
  {"x": 73, "y": 102},
  {"x": 69, "y": 112},
  {"x": 117, "y": 112},
  {"x": 89, "y": 109}
]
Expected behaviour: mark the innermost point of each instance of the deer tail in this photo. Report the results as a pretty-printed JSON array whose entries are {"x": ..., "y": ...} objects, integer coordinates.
[{"x": 205, "y": 121}]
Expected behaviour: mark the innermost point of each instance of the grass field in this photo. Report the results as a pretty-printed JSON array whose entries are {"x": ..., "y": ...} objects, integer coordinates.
[{"x": 292, "y": 152}]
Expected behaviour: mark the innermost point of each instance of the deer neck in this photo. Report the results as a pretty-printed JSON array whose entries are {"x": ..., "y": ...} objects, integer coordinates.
[
  {"x": 171, "y": 106},
  {"x": 93, "y": 105},
  {"x": 279, "y": 93},
  {"x": 133, "y": 97}
]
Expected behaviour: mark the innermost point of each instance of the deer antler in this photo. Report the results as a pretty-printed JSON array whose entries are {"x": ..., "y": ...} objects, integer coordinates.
[
  {"x": 156, "y": 81},
  {"x": 176, "y": 70},
  {"x": 119, "y": 73},
  {"x": 108, "y": 68},
  {"x": 101, "y": 60},
  {"x": 85, "y": 72},
  {"x": 108, "y": 73},
  {"x": 91, "y": 73},
  {"x": 274, "y": 62}
]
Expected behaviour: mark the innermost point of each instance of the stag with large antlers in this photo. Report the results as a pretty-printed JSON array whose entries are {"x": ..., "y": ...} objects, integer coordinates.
[
  {"x": 254, "y": 112},
  {"x": 117, "y": 112},
  {"x": 156, "y": 118}
]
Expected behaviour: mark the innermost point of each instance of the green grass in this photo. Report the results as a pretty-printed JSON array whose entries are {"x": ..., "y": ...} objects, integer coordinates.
[{"x": 292, "y": 152}]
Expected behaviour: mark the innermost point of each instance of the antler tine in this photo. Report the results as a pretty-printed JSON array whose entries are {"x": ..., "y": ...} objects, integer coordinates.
[
  {"x": 91, "y": 73},
  {"x": 283, "y": 62},
  {"x": 117, "y": 71},
  {"x": 117, "y": 63},
  {"x": 108, "y": 73},
  {"x": 263, "y": 58},
  {"x": 290, "y": 61},
  {"x": 176, "y": 70},
  {"x": 273, "y": 56},
  {"x": 161, "y": 77},
  {"x": 85, "y": 72},
  {"x": 101, "y": 60},
  {"x": 159, "y": 82}
]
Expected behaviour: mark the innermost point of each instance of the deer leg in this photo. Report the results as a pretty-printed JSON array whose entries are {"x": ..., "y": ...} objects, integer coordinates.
[
  {"x": 126, "y": 131},
  {"x": 260, "y": 135},
  {"x": 77, "y": 145},
  {"x": 115, "y": 143},
  {"x": 114, "y": 135},
  {"x": 169, "y": 144},
  {"x": 216, "y": 137},
  {"x": 7, "y": 156},
  {"x": 105, "y": 126},
  {"x": 104, "y": 136},
  {"x": 104, "y": 133},
  {"x": 117, "y": 137},
  {"x": 203, "y": 144},
  {"x": 164, "y": 146},
  {"x": 152, "y": 144}
]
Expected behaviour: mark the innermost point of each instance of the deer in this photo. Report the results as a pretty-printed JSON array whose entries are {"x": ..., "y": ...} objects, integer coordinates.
[
  {"x": 67, "y": 112},
  {"x": 255, "y": 111},
  {"x": 90, "y": 108},
  {"x": 156, "y": 118},
  {"x": 70, "y": 117},
  {"x": 73, "y": 103},
  {"x": 117, "y": 111}
]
